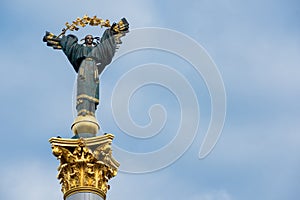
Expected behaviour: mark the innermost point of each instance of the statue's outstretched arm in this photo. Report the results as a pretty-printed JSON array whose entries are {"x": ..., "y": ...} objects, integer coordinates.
[
  {"x": 118, "y": 30},
  {"x": 105, "y": 50}
]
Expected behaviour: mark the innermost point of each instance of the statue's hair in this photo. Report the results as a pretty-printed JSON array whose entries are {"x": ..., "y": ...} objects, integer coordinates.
[{"x": 94, "y": 38}]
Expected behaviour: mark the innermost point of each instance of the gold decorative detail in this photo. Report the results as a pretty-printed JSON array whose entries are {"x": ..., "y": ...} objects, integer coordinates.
[
  {"x": 81, "y": 73},
  {"x": 121, "y": 26},
  {"x": 89, "y": 59},
  {"x": 52, "y": 40},
  {"x": 86, "y": 165},
  {"x": 119, "y": 29},
  {"x": 85, "y": 20},
  {"x": 84, "y": 96}
]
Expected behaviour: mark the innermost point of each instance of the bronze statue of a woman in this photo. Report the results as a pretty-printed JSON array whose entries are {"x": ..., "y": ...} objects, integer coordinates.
[{"x": 88, "y": 60}]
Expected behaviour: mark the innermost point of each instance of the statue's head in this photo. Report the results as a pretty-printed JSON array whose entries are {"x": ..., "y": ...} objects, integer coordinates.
[{"x": 89, "y": 40}]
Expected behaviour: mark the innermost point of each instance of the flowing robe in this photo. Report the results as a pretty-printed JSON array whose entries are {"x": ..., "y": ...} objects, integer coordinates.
[{"x": 88, "y": 62}]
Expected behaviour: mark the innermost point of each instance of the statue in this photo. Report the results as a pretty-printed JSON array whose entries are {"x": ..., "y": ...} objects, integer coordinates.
[{"x": 88, "y": 60}]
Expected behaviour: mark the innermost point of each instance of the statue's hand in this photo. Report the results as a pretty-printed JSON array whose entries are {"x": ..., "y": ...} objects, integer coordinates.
[
  {"x": 52, "y": 40},
  {"x": 120, "y": 29}
]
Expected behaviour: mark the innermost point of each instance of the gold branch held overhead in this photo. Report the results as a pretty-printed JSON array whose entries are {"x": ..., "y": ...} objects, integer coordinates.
[
  {"x": 118, "y": 29},
  {"x": 82, "y": 22}
]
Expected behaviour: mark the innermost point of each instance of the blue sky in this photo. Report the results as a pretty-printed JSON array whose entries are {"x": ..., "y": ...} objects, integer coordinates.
[{"x": 256, "y": 47}]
